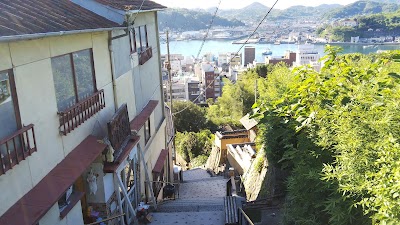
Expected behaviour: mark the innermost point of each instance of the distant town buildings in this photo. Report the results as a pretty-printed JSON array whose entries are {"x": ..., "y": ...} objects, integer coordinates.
[
  {"x": 288, "y": 59},
  {"x": 249, "y": 55},
  {"x": 307, "y": 55},
  {"x": 348, "y": 23}
]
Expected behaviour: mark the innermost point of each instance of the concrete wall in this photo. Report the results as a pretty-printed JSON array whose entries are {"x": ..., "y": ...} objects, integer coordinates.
[{"x": 31, "y": 62}]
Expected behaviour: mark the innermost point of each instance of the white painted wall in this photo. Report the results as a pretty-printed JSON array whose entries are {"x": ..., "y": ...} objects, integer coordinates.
[{"x": 31, "y": 62}]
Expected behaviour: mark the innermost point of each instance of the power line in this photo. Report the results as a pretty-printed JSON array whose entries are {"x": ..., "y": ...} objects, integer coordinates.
[
  {"x": 208, "y": 30},
  {"x": 140, "y": 8},
  {"x": 255, "y": 30}
]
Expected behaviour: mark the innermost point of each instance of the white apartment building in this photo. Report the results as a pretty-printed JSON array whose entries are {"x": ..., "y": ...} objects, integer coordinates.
[
  {"x": 83, "y": 123},
  {"x": 306, "y": 55}
]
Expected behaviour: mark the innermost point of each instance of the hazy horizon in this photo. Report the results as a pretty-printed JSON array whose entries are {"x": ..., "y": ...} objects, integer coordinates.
[{"x": 237, "y": 4}]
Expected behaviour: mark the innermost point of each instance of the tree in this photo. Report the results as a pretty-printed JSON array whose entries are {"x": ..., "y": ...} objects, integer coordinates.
[
  {"x": 191, "y": 145},
  {"x": 335, "y": 132},
  {"x": 189, "y": 117}
]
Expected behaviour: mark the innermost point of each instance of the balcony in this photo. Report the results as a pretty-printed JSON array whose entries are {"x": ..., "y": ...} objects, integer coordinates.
[
  {"x": 74, "y": 116},
  {"x": 121, "y": 139},
  {"x": 119, "y": 130},
  {"x": 16, "y": 147},
  {"x": 145, "y": 55}
]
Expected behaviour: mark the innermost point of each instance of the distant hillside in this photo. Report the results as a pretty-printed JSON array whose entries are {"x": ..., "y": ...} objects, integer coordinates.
[
  {"x": 249, "y": 14},
  {"x": 388, "y": 1},
  {"x": 362, "y": 8},
  {"x": 382, "y": 24},
  {"x": 304, "y": 11},
  {"x": 185, "y": 20},
  {"x": 254, "y": 12}
]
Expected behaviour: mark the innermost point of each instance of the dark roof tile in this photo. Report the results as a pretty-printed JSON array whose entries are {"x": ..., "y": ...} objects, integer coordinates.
[{"x": 19, "y": 17}]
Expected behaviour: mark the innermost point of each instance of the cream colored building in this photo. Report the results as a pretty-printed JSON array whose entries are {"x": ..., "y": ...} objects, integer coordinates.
[{"x": 82, "y": 113}]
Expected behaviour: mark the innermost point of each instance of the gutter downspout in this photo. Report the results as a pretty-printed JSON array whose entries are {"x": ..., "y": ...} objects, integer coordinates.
[
  {"x": 52, "y": 34},
  {"x": 114, "y": 85}
]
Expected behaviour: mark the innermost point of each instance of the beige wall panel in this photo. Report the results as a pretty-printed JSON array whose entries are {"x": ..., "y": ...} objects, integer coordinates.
[
  {"x": 75, "y": 216},
  {"x": 23, "y": 52},
  {"x": 14, "y": 184},
  {"x": 69, "y": 43},
  {"x": 38, "y": 106},
  {"x": 101, "y": 55},
  {"x": 156, "y": 145},
  {"x": 52, "y": 217},
  {"x": 5, "y": 57},
  {"x": 125, "y": 93}
]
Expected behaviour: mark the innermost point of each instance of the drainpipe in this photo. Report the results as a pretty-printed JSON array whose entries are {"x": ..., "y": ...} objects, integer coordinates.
[{"x": 110, "y": 48}]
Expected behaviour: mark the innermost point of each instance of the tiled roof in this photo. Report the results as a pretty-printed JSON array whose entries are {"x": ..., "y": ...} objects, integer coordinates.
[
  {"x": 19, "y": 17},
  {"x": 131, "y": 4}
]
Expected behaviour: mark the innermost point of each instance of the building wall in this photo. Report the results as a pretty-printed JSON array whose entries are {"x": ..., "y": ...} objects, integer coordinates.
[
  {"x": 31, "y": 62},
  {"x": 249, "y": 55},
  {"x": 148, "y": 75}
]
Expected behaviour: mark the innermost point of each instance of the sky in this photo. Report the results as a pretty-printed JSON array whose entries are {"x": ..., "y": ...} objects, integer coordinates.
[{"x": 235, "y": 4}]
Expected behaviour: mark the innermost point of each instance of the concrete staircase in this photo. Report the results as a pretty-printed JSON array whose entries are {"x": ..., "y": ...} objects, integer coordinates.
[{"x": 200, "y": 203}]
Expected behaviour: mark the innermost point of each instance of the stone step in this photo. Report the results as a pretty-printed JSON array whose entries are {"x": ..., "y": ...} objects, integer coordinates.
[
  {"x": 192, "y": 205},
  {"x": 204, "y": 179},
  {"x": 190, "y": 208},
  {"x": 217, "y": 201}
]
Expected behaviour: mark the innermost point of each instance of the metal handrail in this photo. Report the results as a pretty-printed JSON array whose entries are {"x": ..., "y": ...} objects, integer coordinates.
[{"x": 242, "y": 215}]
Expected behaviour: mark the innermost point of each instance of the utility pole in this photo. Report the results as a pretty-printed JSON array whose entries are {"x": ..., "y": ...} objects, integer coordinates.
[
  {"x": 170, "y": 96},
  {"x": 169, "y": 73},
  {"x": 255, "y": 92}
]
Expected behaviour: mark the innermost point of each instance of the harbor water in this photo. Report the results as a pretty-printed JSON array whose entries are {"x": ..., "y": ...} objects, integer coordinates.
[{"x": 191, "y": 48}]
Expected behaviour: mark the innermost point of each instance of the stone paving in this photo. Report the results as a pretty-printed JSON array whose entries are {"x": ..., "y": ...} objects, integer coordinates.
[{"x": 200, "y": 201}]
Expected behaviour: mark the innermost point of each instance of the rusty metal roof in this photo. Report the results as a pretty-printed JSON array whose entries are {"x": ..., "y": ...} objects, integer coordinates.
[
  {"x": 131, "y": 4},
  {"x": 139, "y": 121},
  {"x": 20, "y": 17},
  {"x": 35, "y": 204},
  {"x": 160, "y": 161}
]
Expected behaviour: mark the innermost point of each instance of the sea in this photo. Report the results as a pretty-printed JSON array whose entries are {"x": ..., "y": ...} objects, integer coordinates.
[{"x": 192, "y": 47}]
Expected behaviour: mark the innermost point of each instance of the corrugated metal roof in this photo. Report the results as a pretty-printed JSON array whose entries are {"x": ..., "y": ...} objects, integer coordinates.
[
  {"x": 19, "y": 17},
  {"x": 131, "y": 4},
  {"x": 247, "y": 122}
]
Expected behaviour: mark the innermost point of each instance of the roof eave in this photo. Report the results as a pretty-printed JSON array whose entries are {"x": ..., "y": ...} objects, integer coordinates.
[
  {"x": 53, "y": 34},
  {"x": 148, "y": 10}
]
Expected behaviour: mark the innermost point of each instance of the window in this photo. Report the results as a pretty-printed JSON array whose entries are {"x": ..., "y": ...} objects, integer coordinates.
[
  {"x": 143, "y": 37},
  {"x": 132, "y": 40},
  {"x": 74, "y": 78},
  {"x": 147, "y": 132},
  {"x": 9, "y": 120},
  {"x": 71, "y": 197},
  {"x": 140, "y": 41}
]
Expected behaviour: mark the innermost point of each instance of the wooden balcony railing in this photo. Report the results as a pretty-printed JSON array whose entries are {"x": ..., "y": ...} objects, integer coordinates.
[
  {"x": 119, "y": 129},
  {"x": 16, "y": 147},
  {"x": 74, "y": 116},
  {"x": 145, "y": 55}
]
